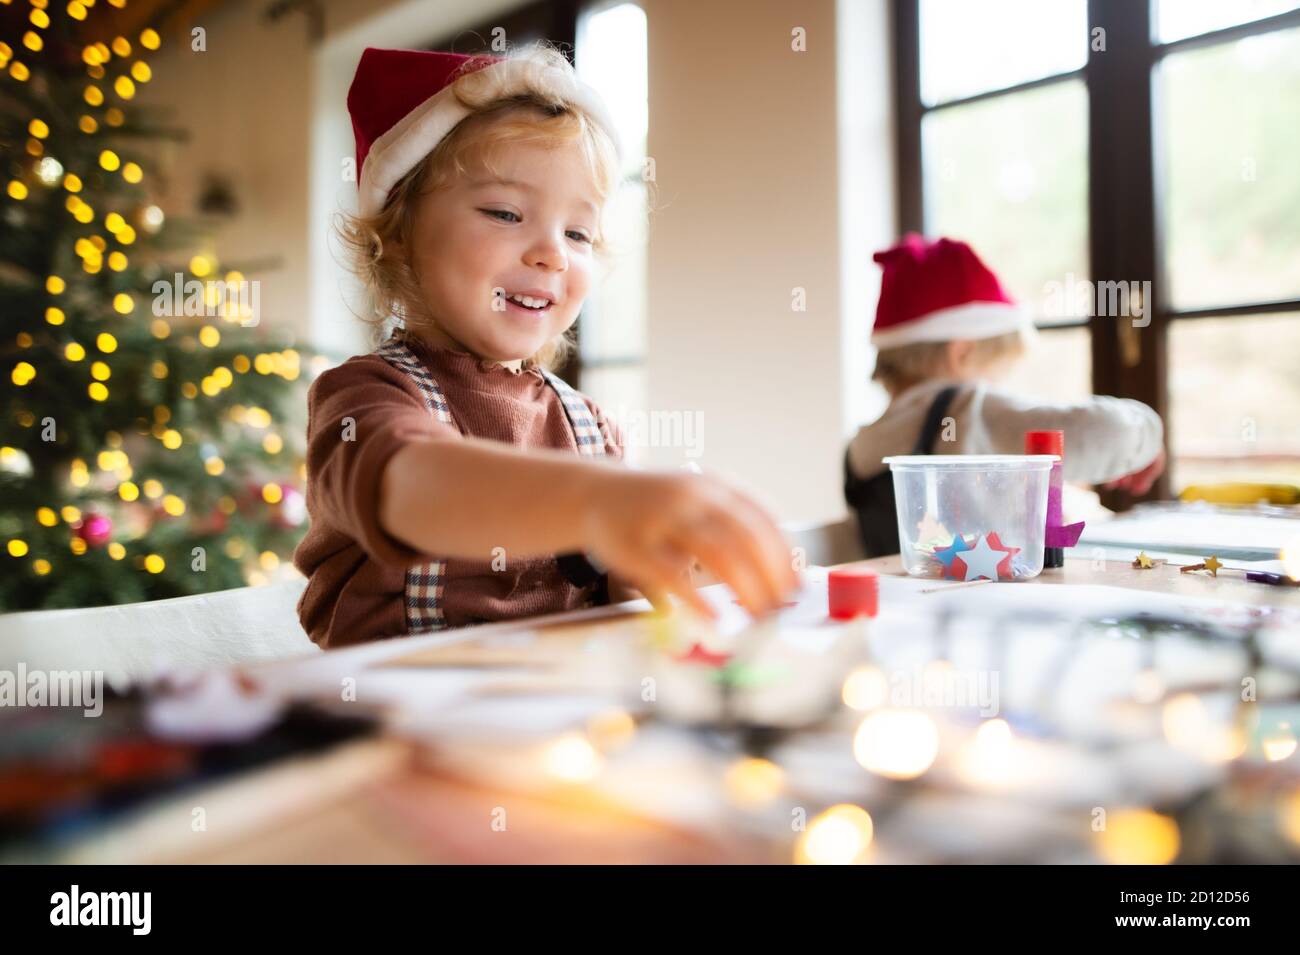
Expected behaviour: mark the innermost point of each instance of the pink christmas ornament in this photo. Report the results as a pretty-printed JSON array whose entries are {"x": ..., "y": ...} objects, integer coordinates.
[
  {"x": 95, "y": 530},
  {"x": 292, "y": 509}
]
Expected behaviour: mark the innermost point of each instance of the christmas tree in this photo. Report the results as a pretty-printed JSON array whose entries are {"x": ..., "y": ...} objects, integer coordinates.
[{"x": 139, "y": 452}]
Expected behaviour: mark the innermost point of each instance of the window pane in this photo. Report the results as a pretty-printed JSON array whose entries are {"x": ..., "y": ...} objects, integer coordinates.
[
  {"x": 1231, "y": 128},
  {"x": 1176, "y": 19},
  {"x": 621, "y": 393},
  {"x": 1057, "y": 368},
  {"x": 972, "y": 47},
  {"x": 614, "y": 317},
  {"x": 1009, "y": 175},
  {"x": 1226, "y": 425},
  {"x": 611, "y": 57}
]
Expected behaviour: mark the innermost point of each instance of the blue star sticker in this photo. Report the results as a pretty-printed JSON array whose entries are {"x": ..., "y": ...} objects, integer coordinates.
[{"x": 946, "y": 555}]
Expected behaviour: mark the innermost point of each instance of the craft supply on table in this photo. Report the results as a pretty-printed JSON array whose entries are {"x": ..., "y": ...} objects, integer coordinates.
[
  {"x": 1057, "y": 536},
  {"x": 1238, "y": 493},
  {"x": 784, "y": 712},
  {"x": 853, "y": 592},
  {"x": 1215, "y": 567},
  {"x": 1238, "y": 534},
  {"x": 972, "y": 516},
  {"x": 980, "y": 726},
  {"x": 1211, "y": 563},
  {"x": 957, "y": 585}
]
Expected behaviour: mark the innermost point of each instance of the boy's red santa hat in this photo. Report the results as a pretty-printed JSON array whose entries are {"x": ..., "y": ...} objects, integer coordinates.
[
  {"x": 402, "y": 106},
  {"x": 936, "y": 291}
]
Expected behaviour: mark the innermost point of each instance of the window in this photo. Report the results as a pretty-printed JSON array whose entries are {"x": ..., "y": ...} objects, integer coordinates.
[
  {"x": 1227, "y": 118},
  {"x": 1003, "y": 139},
  {"x": 1131, "y": 142},
  {"x": 610, "y": 366}
]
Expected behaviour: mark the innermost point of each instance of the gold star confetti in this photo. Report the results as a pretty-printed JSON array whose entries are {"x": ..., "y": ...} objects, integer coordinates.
[
  {"x": 931, "y": 535},
  {"x": 1143, "y": 561},
  {"x": 1211, "y": 563}
]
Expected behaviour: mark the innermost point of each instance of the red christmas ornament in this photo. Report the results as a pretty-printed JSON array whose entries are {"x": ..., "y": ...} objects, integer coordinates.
[
  {"x": 212, "y": 523},
  {"x": 94, "y": 529}
]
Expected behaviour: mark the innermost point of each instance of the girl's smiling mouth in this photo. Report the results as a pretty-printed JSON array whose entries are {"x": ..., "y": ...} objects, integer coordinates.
[{"x": 532, "y": 302}]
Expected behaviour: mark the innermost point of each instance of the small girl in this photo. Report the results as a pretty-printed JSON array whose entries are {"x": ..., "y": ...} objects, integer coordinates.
[
  {"x": 945, "y": 328},
  {"x": 450, "y": 467}
]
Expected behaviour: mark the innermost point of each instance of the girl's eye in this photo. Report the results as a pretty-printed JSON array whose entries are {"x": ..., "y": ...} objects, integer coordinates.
[
  {"x": 505, "y": 215},
  {"x": 577, "y": 236}
]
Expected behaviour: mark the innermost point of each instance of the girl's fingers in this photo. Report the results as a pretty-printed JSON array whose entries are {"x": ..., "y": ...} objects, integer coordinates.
[
  {"x": 755, "y": 566},
  {"x": 663, "y": 575},
  {"x": 769, "y": 548},
  {"x": 721, "y": 552}
]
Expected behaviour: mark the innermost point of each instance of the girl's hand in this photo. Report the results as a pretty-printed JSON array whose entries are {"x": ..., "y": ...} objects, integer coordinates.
[
  {"x": 649, "y": 527},
  {"x": 1139, "y": 482}
]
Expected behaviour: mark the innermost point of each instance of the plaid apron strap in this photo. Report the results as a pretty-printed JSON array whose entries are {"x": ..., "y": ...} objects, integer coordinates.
[
  {"x": 585, "y": 429},
  {"x": 424, "y": 582},
  {"x": 577, "y": 568},
  {"x": 396, "y": 353}
]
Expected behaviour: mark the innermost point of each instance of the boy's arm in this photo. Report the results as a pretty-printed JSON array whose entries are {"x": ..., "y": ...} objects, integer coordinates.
[
  {"x": 359, "y": 415},
  {"x": 442, "y": 497},
  {"x": 451, "y": 497},
  {"x": 407, "y": 487},
  {"x": 1105, "y": 438}
]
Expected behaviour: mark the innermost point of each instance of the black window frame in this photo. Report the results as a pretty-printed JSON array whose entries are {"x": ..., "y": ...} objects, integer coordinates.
[{"x": 1124, "y": 220}]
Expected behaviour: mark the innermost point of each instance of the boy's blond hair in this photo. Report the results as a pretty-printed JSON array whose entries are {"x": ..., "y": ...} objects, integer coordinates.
[
  {"x": 904, "y": 365},
  {"x": 538, "y": 117}
]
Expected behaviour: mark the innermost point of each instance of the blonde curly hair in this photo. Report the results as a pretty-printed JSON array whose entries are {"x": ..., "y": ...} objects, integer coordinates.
[{"x": 541, "y": 116}]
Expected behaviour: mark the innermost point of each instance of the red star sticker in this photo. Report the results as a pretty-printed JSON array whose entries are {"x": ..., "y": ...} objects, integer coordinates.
[
  {"x": 1004, "y": 565},
  {"x": 698, "y": 654}
]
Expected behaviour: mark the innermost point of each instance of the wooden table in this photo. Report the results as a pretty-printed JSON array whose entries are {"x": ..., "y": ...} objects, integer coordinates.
[{"x": 392, "y": 800}]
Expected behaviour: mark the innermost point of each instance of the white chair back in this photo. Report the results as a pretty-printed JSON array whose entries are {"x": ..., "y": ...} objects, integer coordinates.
[
  {"x": 134, "y": 642},
  {"x": 826, "y": 544}
]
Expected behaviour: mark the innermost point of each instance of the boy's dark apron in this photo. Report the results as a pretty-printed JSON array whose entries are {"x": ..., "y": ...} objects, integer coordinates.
[{"x": 872, "y": 499}]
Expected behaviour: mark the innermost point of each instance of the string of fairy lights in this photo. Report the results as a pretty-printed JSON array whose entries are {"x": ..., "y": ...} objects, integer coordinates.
[
  {"x": 912, "y": 750},
  {"x": 125, "y": 60}
]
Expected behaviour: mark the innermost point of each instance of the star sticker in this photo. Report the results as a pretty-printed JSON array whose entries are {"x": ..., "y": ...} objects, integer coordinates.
[
  {"x": 931, "y": 534},
  {"x": 988, "y": 558},
  {"x": 948, "y": 556},
  {"x": 1211, "y": 563},
  {"x": 1143, "y": 561},
  {"x": 698, "y": 654}
]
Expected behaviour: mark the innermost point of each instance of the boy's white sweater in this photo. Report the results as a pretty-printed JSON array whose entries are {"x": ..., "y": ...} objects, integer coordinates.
[{"x": 1105, "y": 438}]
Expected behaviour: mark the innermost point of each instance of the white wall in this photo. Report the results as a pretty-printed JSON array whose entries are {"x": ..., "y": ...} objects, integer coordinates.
[
  {"x": 746, "y": 138},
  {"x": 774, "y": 171},
  {"x": 244, "y": 103}
]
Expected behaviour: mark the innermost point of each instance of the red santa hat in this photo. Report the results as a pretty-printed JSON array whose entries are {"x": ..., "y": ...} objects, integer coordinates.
[
  {"x": 402, "y": 106},
  {"x": 934, "y": 291}
]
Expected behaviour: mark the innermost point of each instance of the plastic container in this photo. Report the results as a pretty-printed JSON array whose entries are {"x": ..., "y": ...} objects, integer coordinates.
[{"x": 972, "y": 516}]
